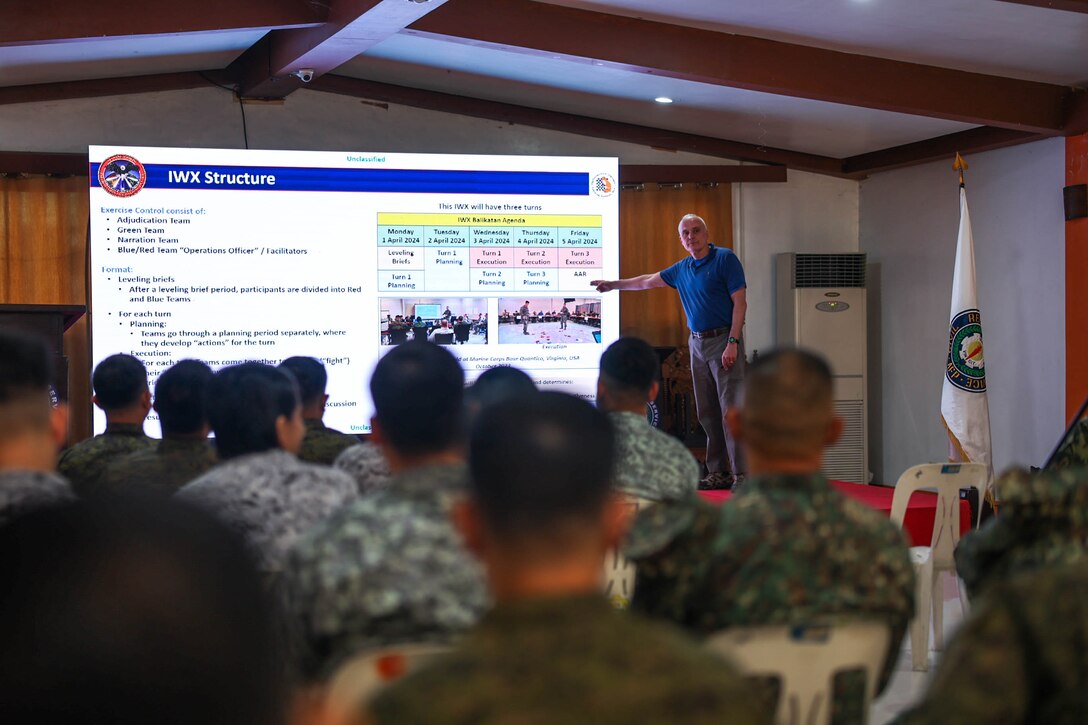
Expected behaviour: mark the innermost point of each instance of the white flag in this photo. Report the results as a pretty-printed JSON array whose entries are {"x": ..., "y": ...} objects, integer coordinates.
[{"x": 964, "y": 410}]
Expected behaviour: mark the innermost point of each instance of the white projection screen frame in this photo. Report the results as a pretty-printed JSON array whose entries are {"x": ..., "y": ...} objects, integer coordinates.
[{"x": 229, "y": 255}]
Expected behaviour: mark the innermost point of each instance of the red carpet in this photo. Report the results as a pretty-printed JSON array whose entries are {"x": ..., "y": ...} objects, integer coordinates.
[{"x": 920, "y": 511}]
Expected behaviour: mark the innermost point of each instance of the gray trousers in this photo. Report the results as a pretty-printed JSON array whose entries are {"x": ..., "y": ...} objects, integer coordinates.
[{"x": 716, "y": 390}]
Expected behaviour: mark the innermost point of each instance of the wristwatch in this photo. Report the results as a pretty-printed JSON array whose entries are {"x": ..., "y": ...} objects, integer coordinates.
[{"x": 732, "y": 339}]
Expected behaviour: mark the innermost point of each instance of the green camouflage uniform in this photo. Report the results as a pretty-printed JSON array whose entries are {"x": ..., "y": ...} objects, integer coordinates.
[
  {"x": 650, "y": 463},
  {"x": 1020, "y": 657},
  {"x": 1074, "y": 450},
  {"x": 366, "y": 464},
  {"x": 84, "y": 463},
  {"x": 165, "y": 467},
  {"x": 1043, "y": 522},
  {"x": 270, "y": 498},
  {"x": 389, "y": 568},
  {"x": 22, "y": 491},
  {"x": 322, "y": 444},
  {"x": 787, "y": 549},
  {"x": 571, "y": 660}
]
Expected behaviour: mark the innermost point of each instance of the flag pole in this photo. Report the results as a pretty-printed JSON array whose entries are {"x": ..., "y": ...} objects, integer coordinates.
[
  {"x": 959, "y": 165},
  {"x": 956, "y": 449}
]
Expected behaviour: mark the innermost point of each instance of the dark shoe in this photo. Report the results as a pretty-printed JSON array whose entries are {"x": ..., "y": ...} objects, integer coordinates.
[
  {"x": 716, "y": 481},
  {"x": 738, "y": 482}
]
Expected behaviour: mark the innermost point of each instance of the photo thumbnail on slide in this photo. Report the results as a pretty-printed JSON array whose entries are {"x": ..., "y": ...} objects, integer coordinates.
[
  {"x": 549, "y": 320},
  {"x": 232, "y": 255},
  {"x": 441, "y": 320}
]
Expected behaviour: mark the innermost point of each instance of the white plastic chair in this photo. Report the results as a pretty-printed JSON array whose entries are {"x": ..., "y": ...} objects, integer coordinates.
[
  {"x": 363, "y": 676},
  {"x": 619, "y": 572},
  {"x": 806, "y": 659},
  {"x": 931, "y": 561}
]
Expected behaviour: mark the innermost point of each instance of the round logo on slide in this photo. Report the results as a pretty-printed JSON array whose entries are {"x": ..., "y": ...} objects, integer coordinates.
[
  {"x": 966, "y": 363},
  {"x": 121, "y": 175},
  {"x": 603, "y": 185}
]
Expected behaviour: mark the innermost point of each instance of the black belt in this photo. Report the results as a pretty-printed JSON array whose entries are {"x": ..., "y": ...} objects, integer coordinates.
[{"x": 710, "y": 333}]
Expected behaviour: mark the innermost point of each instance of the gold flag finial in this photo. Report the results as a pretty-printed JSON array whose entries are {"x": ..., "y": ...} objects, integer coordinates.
[{"x": 959, "y": 165}]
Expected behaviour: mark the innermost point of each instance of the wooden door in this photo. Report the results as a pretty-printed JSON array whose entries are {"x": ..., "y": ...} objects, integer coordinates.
[
  {"x": 43, "y": 257},
  {"x": 649, "y": 242}
]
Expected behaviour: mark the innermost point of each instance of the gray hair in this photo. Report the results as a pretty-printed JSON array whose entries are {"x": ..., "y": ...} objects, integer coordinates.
[{"x": 690, "y": 216}]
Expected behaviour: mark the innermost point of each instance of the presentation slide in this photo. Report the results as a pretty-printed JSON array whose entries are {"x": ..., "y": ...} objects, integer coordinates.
[{"x": 230, "y": 255}]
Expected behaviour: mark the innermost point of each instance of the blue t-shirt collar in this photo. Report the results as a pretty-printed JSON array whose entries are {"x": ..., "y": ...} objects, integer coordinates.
[{"x": 710, "y": 255}]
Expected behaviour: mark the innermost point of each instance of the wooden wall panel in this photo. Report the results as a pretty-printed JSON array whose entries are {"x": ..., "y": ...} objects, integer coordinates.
[
  {"x": 649, "y": 242},
  {"x": 43, "y": 251}
]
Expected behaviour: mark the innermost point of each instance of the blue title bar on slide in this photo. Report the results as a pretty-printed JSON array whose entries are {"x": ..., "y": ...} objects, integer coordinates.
[{"x": 418, "y": 181}]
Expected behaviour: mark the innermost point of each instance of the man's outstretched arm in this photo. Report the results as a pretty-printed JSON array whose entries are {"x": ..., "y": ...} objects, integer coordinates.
[{"x": 646, "y": 281}]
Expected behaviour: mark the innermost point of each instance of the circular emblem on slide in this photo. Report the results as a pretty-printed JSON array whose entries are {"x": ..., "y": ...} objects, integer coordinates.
[
  {"x": 121, "y": 175},
  {"x": 653, "y": 415},
  {"x": 966, "y": 361},
  {"x": 603, "y": 185}
]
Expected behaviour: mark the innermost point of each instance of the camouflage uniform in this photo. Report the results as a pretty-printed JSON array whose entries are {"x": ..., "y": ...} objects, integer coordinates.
[
  {"x": 787, "y": 549},
  {"x": 167, "y": 466},
  {"x": 84, "y": 463},
  {"x": 271, "y": 498},
  {"x": 389, "y": 568},
  {"x": 650, "y": 463},
  {"x": 571, "y": 660},
  {"x": 1043, "y": 521},
  {"x": 1074, "y": 451},
  {"x": 365, "y": 463},
  {"x": 323, "y": 444},
  {"x": 1020, "y": 657},
  {"x": 22, "y": 491}
]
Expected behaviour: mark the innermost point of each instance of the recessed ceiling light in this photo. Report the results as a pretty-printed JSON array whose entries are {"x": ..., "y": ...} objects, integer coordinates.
[{"x": 663, "y": 99}]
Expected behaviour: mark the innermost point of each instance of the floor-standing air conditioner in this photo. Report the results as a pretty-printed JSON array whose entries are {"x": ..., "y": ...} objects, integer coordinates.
[{"x": 821, "y": 307}]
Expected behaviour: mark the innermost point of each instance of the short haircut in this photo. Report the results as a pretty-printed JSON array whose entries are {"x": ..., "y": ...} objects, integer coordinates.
[
  {"x": 418, "y": 390},
  {"x": 311, "y": 377},
  {"x": 134, "y": 611},
  {"x": 686, "y": 217},
  {"x": 496, "y": 384},
  {"x": 244, "y": 402},
  {"x": 118, "y": 381},
  {"x": 538, "y": 461},
  {"x": 629, "y": 367},
  {"x": 787, "y": 402},
  {"x": 181, "y": 396},
  {"x": 26, "y": 370}
]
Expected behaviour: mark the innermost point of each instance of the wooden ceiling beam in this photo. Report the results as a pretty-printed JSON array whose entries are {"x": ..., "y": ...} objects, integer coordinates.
[
  {"x": 697, "y": 174},
  {"x": 34, "y": 162},
  {"x": 1073, "y": 6},
  {"x": 29, "y": 22},
  {"x": 581, "y": 125},
  {"x": 755, "y": 64},
  {"x": 267, "y": 70},
  {"x": 974, "y": 140},
  {"x": 101, "y": 87}
]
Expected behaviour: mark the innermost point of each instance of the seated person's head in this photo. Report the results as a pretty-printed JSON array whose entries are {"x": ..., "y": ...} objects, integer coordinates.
[
  {"x": 496, "y": 384},
  {"x": 181, "y": 398},
  {"x": 31, "y": 429},
  {"x": 630, "y": 370},
  {"x": 254, "y": 407},
  {"x": 120, "y": 389},
  {"x": 132, "y": 612},
  {"x": 540, "y": 498},
  {"x": 787, "y": 416},
  {"x": 312, "y": 379},
  {"x": 417, "y": 390}
]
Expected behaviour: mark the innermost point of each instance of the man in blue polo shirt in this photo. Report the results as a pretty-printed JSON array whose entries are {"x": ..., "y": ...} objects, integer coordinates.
[{"x": 712, "y": 290}]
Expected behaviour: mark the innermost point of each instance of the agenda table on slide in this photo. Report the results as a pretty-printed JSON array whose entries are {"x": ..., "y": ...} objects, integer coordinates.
[{"x": 487, "y": 252}]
